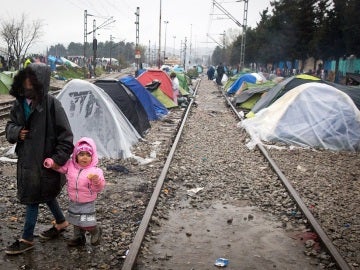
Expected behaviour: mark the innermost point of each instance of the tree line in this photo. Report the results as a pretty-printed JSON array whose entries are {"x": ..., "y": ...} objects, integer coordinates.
[
  {"x": 297, "y": 30},
  {"x": 122, "y": 51},
  {"x": 20, "y": 34}
]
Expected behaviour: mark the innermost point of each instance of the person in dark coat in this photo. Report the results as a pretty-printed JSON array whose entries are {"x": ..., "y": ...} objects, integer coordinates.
[
  {"x": 220, "y": 72},
  {"x": 40, "y": 128},
  {"x": 210, "y": 73}
]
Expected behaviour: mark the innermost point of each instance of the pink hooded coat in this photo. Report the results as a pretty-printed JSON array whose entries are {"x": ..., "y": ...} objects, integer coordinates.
[{"x": 80, "y": 189}]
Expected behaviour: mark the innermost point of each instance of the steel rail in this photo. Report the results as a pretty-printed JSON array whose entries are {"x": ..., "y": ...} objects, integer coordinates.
[
  {"x": 3, "y": 103},
  {"x": 5, "y": 108},
  {"x": 4, "y": 115},
  {"x": 329, "y": 246},
  {"x": 140, "y": 234}
]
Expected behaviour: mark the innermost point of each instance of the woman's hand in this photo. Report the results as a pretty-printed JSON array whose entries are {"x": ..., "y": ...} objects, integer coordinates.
[{"x": 23, "y": 133}]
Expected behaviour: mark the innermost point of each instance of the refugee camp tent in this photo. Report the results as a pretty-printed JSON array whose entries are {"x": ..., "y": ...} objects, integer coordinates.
[
  {"x": 183, "y": 83},
  {"x": 94, "y": 114},
  {"x": 154, "y": 108},
  {"x": 156, "y": 74},
  {"x": 288, "y": 84},
  {"x": 178, "y": 68},
  {"x": 280, "y": 89},
  {"x": 250, "y": 94},
  {"x": 311, "y": 114},
  {"x": 5, "y": 83},
  {"x": 352, "y": 91},
  {"x": 67, "y": 62},
  {"x": 154, "y": 88},
  {"x": 230, "y": 81},
  {"x": 248, "y": 77},
  {"x": 127, "y": 102}
]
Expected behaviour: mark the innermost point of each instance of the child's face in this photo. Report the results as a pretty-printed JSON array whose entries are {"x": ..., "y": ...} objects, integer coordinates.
[{"x": 83, "y": 159}]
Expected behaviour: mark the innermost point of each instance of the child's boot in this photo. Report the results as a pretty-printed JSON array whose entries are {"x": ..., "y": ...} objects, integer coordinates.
[
  {"x": 96, "y": 235},
  {"x": 79, "y": 238}
]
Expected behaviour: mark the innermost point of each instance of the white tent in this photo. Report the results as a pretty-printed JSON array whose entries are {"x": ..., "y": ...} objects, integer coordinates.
[
  {"x": 311, "y": 114},
  {"x": 92, "y": 113},
  {"x": 68, "y": 62}
]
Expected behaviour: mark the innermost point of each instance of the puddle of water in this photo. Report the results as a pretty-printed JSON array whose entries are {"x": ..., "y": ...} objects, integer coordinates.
[{"x": 194, "y": 239}]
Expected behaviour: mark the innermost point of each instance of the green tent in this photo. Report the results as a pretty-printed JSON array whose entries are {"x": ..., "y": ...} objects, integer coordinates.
[
  {"x": 5, "y": 83},
  {"x": 281, "y": 89},
  {"x": 164, "y": 99},
  {"x": 251, "y": 94},
  {"x": 182, "y": 81}
]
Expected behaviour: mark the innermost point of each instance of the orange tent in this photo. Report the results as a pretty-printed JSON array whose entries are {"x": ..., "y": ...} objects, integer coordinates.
[{"x": 156, "y": 74}]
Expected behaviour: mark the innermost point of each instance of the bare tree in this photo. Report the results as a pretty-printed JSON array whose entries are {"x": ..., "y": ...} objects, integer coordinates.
[{"x": 19, "y": 35}]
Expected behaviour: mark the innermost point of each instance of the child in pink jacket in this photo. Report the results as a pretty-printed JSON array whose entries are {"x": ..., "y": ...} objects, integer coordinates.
[{"x": 84, "y": 182}]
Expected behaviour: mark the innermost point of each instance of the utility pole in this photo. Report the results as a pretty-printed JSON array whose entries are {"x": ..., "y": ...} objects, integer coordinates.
[
  {"x": 185, "y": 52},
  {"x": 190, "y": 44},
  {"x": 111, "y": 39},
  {"x": 85, "y": 39},
  {"x": 244, "y": 25},
  {"x": 86, "y": 33},
  {"x": 159, "y": 52},
  {"x": 181, "y": 46},
  {"x": 94, "y": 46},
  {"x": 223, "y": 44},
  {"x": 149, "y": 54},
  {"x": 137, "y": 51},
  {"x": 174, "y": 37},
  {"x": 243, "y": 36},
  {"x": 166, "y": 23}
]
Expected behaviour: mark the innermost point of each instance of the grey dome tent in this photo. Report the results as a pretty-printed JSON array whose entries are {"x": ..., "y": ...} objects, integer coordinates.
[
  {"x": 311, "y": 115},
  {"x": 128, "y": 103},
  {"x": 92, "y": 113}
]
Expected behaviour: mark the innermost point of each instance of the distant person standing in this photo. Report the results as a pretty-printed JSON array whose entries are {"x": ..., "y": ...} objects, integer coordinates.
[
  {"x": 210, "y": 73},
  {"x": 175, "y": 86},
  {"x": 40, "y": 128},
  {"x": 220, "y": 73}
]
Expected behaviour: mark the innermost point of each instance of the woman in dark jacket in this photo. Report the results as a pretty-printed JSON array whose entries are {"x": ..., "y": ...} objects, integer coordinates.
[{"x": 40, "y": 128}]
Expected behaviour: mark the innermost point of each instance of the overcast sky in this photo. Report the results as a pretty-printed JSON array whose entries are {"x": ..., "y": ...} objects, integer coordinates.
[{"x": 63, "y": 20}]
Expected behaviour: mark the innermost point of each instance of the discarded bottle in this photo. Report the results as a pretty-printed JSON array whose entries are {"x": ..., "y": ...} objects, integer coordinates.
[{"x": 222, "y": 262}]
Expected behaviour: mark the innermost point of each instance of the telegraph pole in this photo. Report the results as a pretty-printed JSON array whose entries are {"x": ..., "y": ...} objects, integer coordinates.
[
  {"x": 159, "y": 52},
  {"x": 185, "y": 52},
  {"x": 244, "y": 25},
  {"x": 149, "y": 54},
  {"x": 111, "y": 39},
  {"x": 166, "y": 23},
  {"x": 86, "y": 33},
  {"x": 243, "y": 36},
  {"x": 137, "y": 51},
  {"x": 85, "y": 39},
  {"x": 181, "y": 46},
  {"x": 94, "y": 46},
  {"x": 174, "y": 37},
  {"x": 190, "y": 44}
]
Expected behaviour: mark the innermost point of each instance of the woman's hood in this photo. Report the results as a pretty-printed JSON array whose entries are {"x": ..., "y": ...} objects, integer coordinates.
[
  {"x": 42, "y": 73},
  {"x": 90, "y": 142}
]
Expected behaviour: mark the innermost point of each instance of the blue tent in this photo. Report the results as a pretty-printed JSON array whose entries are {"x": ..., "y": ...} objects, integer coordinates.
[
  {"x": 154, "y": 109},
  {"x": 53, "y": 60},
  {"x": 237, "y": 84}
]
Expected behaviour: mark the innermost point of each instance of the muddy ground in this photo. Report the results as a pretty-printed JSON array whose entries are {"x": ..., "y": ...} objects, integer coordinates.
[{"x": 220, "y": 199}]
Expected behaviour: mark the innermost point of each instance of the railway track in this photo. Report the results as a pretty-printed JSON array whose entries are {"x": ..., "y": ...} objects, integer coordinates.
[
  {"x": 301, "y": 206},
  {"x": 324, "y": 238},
  {"x": 131, "y": 201}
]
